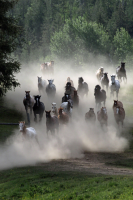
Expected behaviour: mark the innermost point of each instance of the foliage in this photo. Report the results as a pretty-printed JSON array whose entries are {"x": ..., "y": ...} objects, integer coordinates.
[{"x": 9, "y": 31}]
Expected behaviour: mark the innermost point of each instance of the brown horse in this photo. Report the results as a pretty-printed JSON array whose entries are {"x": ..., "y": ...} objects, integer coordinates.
[
  {"x": 63, "y": 117},
  {"x": 102, "y": 116},
  {"x": 52, "y": 122},
  {"x": 121, "y": 72},
  {"x": 28, "y": 102},
  {"x": 119, "y": 114},
  {"x": 90, "y": 116}
]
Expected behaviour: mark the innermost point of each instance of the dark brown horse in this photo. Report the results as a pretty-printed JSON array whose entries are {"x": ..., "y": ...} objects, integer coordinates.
[
  {"x": 119, "y": 114},
  {"x": 63, "y": 117},
  {"x": 90, "y": 116},
  {"x": 121, "y": 72},
  {"x": 28, "y": 101},
  {"x": 105, "y": 81},
  {"x": 52, "y": 122},
  {"x": 102, "y": 116},
  {"x": 100, "y": 95}
]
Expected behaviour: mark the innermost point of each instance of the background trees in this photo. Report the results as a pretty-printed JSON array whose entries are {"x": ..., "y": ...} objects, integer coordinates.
[{"x": 8, "y": 43}]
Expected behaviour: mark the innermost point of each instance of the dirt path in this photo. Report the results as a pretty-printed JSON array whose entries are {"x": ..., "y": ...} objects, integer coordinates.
[{"x": 94, "y": 163}]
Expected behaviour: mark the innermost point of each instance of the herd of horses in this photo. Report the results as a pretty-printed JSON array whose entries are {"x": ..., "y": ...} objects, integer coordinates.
[{"x": 55, "y": 117}]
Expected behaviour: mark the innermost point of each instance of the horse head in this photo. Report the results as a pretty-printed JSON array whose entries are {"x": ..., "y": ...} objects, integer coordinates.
[
  {"x": 123, "y": 65},
  {"x": 48, "y": 115},
  {"x": 51, "y": 81},
  {"x": 101, "y": 69},
  {"x": 37, "y": 99},
  {"x": 80, "y": 80},
  {"x": 39, "y": 79},
  {"x": 105, "y": 75},
  {"x": 113, "y": 78},
  {"x": 27, "y": 94},
  {"x": 97, "y": 88}
]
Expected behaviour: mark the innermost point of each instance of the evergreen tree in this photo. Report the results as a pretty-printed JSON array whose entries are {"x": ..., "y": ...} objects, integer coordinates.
[{"x": 9, "y": 31}]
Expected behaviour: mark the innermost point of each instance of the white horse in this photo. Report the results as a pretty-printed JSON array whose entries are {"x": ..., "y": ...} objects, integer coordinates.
[
  {"x": 67, "y": 107},
  {"x": 29, "y": 132},
  {"x": 54, "y": 110},
  {"x": 41, "y": 84},
  {"x": 99, "y": 73},
  {"x": 114, "y": 86}
]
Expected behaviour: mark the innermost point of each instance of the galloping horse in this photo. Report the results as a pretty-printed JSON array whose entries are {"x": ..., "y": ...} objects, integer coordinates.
[
  {"x": 119, "y": 114},
  {"x": 82, "y": 87},
  {"x": 69, "y": 80},
  {"x": 66, "y": 97},
  {"x": 41, "y": 84},
  {"x": 114, "y": 86},
  {"x": 105, "y": 80},
  {"x": 52, "y": 123},
  {"x": 50, "y": 88},
  {"x": 102, "y": 116},
  {"x": 67, "y": 107},
  {"x": 100, "y": 95},
  {"x": 54, "y": 110},
  {"x": 29, "y": 132},
  {"x": 38, "y": 108},
  {"x": 63, "y": 117},
  {"x": 28, "y": 102},
  {"x": 121, "y": 72},
  {"x": 90, "y": 116},
  {"x": 99, "y": 73}
]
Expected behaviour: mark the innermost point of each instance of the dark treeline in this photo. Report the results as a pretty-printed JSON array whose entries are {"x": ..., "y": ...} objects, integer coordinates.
[{"x": 77, "y": 30}]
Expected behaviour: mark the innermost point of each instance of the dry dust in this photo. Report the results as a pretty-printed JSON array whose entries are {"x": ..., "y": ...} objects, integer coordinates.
[{"x": 72, "y": 140}]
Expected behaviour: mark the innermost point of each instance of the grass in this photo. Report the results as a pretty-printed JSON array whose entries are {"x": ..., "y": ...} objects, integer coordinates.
[{"x": 35, "y": 183}]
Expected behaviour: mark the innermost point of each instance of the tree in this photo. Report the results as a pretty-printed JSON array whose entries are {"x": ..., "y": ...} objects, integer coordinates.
[{"x": 9, "y": 32}]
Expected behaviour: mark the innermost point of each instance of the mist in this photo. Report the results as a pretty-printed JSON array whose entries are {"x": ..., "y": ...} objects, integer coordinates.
[{"x": 72, "y": 140}]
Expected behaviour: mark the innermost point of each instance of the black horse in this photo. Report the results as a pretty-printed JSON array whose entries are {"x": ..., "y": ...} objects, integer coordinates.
[
  {"x": 100, "y": 95},
  {"x": 69, "y": 89},
  {"x": 121, "y": 72},
  {"x": 38, "y": 108},
  {"x": 52, "y": 122},
  {"x": 105, "y": 80},
  {"x": 82, "y": 87}
]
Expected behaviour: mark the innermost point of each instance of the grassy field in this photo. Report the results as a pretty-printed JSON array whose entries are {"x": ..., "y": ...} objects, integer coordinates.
[{"x": 36, "y": 183}]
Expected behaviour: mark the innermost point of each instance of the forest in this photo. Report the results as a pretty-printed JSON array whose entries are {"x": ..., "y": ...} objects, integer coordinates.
[{"x": 76, "y": 30}]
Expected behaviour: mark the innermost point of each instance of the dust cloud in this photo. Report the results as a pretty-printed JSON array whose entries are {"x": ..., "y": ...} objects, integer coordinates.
[{"x": 72, "y": 140}]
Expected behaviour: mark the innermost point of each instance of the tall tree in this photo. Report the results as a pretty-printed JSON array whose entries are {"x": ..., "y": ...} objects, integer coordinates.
[{"x": 9, "y": 31}]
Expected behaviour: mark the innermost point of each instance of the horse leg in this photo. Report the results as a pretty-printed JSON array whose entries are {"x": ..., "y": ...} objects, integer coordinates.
[{"x": 35, "y": 117}]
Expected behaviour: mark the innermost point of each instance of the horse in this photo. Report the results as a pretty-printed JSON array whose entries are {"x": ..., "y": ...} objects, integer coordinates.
[
  {"x": 105, "y": 81},
  {"x": 99, "y": 73},
  {"x": 117, "y": 103},
  {"x": 50, "y": 88},
  {"x": 38, "y": 108},
  {"x": 121, "y": 72},
  {"x": 28, "y": 102},
  {"x": 114, "y": 86},
  {"x": 44, "y": 68},
  {"x": 69, "y": 80},
  {"x": 67, "y": 107},
  {"x": 41, "y": 84},
  {"x": 100, "y": 95},
  {"x": 29, "y": 132},
  {"x": 62, "y": 116},
  {"x": 54, "y": 110},
  {"x": 119, "y": 114},
  {"x": 102, "y": 116},
  {"x": 82, "y": 87},
  {"x": 69, "y": 89},
  {"x": 75, "y": 99},
  {"x": 52, "y": 123},
  {"x": 90, "y": 116}
]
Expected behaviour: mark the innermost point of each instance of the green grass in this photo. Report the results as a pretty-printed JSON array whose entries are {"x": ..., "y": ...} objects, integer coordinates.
[{"x": 35, "y": 183}]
